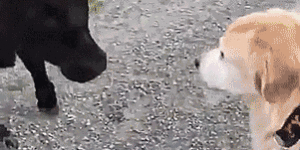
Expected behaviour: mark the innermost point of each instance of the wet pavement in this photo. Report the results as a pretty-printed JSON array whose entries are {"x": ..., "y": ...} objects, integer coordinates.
[{"x": 150, "y": 97}]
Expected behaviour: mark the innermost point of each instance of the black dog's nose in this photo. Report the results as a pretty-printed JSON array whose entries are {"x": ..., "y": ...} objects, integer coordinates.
[{"x": 197, "y": 63}]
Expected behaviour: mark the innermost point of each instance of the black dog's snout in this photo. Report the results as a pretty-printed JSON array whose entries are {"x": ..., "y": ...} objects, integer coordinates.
[{"x": 197, "y": 63}]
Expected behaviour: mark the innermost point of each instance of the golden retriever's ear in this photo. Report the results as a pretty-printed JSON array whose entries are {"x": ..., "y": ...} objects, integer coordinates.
[{"x": 275, "y": 81}]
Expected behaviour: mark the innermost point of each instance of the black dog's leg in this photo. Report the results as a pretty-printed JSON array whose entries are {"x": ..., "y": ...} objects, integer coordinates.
[{"x": 44, "y": 89}]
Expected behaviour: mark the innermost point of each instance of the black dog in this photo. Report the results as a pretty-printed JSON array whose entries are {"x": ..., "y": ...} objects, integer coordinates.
[{"x": 49, "y": 30}]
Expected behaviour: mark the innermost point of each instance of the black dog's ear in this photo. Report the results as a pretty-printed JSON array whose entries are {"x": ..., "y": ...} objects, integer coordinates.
[{"x": 289, "y": 134}]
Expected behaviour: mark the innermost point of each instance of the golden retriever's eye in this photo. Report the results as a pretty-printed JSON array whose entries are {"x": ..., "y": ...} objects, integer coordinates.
[{"x": 222, "y": 55}]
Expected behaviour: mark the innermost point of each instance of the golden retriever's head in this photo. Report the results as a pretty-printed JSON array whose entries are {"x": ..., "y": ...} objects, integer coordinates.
[
  {"x": 259, "y": 53},
  {"x": 225, "y": 69}
]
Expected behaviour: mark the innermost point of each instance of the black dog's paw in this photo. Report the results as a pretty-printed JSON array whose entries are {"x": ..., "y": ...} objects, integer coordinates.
[
  {"x": 11, "y": 143},
  {"x": 46, "y": 96},
  {"x": 3, "y": 132},
  {"x": 5, "y": 137}
]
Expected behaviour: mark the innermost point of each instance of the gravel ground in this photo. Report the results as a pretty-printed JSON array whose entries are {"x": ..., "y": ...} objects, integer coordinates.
[{"x": 150, "y": 97}]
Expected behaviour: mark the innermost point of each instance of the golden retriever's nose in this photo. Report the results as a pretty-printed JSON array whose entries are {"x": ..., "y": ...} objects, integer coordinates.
[{"x": 197, "y": 63}]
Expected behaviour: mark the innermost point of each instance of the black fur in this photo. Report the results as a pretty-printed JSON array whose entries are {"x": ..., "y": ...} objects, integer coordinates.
[{"x": 49, "y": 30}]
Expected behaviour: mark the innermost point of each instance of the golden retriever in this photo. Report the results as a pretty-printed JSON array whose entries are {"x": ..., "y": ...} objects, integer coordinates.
[{"x": 259, "y": 57}]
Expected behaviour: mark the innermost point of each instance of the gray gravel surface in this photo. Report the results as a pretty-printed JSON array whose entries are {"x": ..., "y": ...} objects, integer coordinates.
[{"x": 150, "y": 97}]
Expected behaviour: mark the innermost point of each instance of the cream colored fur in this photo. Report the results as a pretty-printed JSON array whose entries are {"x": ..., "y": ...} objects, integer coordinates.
[{"x": 261, "y": 61}]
